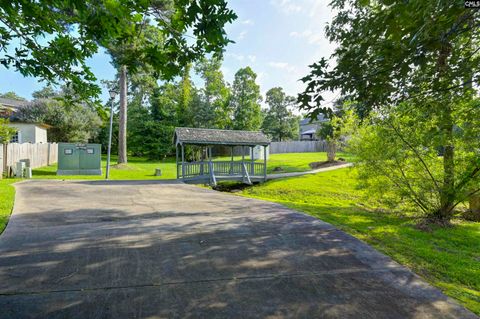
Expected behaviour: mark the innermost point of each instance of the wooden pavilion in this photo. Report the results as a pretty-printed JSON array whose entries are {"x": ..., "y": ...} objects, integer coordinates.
[{"x": 207, "y": 171}]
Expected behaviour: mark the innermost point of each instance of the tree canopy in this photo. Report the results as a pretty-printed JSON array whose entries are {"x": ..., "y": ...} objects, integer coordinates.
[
  {"x": 393, "y": 51},
  {"x": 53, "y": 39},
  {"x": 408, "y": 63},
  {"x": 279, "y": 122},
  {"x": 246, "y": 100}
]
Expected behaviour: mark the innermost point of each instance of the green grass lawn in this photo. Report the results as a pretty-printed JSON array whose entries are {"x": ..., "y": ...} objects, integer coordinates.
[
  {"x": 7, "y": 194},
  {"x": 447, "y": 258},
  {"x": 137, "y": 168},
  {"x": 141, "y": 168}
]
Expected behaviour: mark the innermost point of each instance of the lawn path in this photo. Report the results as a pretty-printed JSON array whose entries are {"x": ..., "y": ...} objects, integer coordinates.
[{"x": 314, "y": 171}]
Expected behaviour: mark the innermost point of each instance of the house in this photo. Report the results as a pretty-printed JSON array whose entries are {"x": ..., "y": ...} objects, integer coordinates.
[
  {"x": 29, "y": 132},
  {"x": 26, "y": 132},
  {"x": 309, "y": 128},
  {"x": 9, "y": 106}
]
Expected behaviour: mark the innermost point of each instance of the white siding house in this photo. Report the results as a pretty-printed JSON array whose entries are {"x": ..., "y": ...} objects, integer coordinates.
[
  {"x": 29, "y": 132},
  {"x": 26, "y": 132}
]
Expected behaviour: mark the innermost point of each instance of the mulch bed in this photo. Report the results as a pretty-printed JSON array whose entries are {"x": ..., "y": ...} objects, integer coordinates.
[{"x": 324, "y": 164}]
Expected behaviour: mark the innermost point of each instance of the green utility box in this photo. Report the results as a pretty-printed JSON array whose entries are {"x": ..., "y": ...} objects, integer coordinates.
[{"x": 79, "y": 159}]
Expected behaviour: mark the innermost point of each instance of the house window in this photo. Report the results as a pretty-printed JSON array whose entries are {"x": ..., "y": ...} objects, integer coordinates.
[{"x": 15, "y": 138}]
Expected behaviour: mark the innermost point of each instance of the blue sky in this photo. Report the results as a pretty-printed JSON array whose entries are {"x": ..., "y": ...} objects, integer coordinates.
[{"x": 277, "y": 38}]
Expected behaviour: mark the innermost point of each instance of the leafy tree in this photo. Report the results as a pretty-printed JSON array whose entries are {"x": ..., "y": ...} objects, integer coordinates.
[
  {"x": 75, "y": 30},
  {"x": 279, "y": 122},
  {"x": 46, "y": 92},
  {"x": 406, "y": 56},
  {"x": 12, "y": 95},
  {"x": 164, "y": 102},
  {"x": 71, "y": 122},
  {"x": 341, "y": 125},
  {"x": 6, "y": 132},
  {"x": 150, "y": 128},
  {"x": 401, "y": 152},
  {"x": 213, "y": 110},
  {"x": 149, "y": 137},
  {"x": 245, "y": 101},
  {"x": 140, "y": 73},
  {"x": 184, "y": 108}
]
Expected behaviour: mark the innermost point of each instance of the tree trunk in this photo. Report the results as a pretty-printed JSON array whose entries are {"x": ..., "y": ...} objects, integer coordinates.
[
  {"x": 331, "y": 151},
  {"x": 122, "y": 126},
  {"x": 474, "y": 212},
  {"x": 447, "y": 195}
]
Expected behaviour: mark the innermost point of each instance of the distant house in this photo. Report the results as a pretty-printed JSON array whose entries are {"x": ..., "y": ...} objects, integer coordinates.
[
  {"x": 309, "y": 128},
  {"x": 9, "y": 106},
  {"x": 26, "y": 132},
  {"x": 29, "y": 132}
]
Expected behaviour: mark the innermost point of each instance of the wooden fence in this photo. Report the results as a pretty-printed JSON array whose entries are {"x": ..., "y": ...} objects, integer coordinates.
[
  {"x": 298, "y": 147},
  {"x": 41, "y": 154}
]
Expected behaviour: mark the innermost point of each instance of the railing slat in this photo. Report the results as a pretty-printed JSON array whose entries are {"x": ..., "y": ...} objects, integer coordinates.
[{"x": 198, "y": 169}]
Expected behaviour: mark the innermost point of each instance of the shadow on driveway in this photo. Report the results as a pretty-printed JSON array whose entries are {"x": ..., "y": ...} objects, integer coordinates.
[{"x": 169, "y": 250}]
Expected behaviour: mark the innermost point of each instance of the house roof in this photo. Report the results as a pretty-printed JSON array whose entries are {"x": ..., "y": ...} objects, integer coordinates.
[
  {"x": 320, "y": 118},
  {"x": 308, "y": 132},
  {"x": 42, "y": 125},
  {"x": 11, "y": 103},
  {"x": 200, "y": 136}
]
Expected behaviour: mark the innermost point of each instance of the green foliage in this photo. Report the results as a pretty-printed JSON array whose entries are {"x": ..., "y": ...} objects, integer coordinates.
[
  {"x": 279, "y": 123},
  {"x": 12, "y": 95},
  {"x": 402, "y": 151},
  {"x": 71, "y": 122},
  {"x": 212, "y": 109},
  {"x": 245, "y": 101},
  {"x": 343, "y": 122},
  {"x": 46, "y": 92},
  {"x": 6, "y": 132},
  {"x": 389, "y": 52},
  {"x": 7, "y": 194},
  {"x": 150, "y": 136},
  {"x": 184, "y": 109},
  {"x": 422, "y": 53},
  {"x": 76, "y": 30}
]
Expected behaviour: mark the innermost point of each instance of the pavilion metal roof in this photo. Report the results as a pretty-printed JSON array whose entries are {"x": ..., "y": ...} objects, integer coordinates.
[{"x": 201, "y": 136}]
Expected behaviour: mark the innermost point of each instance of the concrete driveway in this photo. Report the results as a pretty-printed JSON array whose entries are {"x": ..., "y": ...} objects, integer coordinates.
[{"x": 169, "y": 250}]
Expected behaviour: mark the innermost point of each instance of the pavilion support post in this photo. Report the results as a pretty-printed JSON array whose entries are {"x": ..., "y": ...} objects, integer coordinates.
[
  {"x": 265, "y": 163},
  {"x": 183, "y": 160},
  {"x": 202, "y": 158},
  {"x": 176, "y": 160},
  {"x": 243, "y": 161},
  {"x": 252, "y": 162},
  {"x": 231, "y": 161},
  {"x": 209, "y": 152}
]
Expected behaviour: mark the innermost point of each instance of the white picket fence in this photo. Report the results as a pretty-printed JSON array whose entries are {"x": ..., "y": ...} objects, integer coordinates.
[
  {"x": 41, "y": 154},
  {"x": 298, "y": 147}
]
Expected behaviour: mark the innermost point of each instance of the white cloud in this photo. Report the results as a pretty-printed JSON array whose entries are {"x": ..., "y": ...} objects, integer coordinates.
[
  {"x": 310, "y": 36},
  {"x": 283, "y": 66},
  {"x": 287, "y": 6},
  {"x": 241, "y": 57},
  {"x": 247, "y": 22},
  {"x": 226, "y": 71},
  {"x": 242, "y": 35},
  {"x": 238, "y": 57},
  {"x": 261, "y": 76}
]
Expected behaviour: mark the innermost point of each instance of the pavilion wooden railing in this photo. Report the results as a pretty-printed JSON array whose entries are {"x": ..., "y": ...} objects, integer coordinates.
[{"x": 220, "y": 168}]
